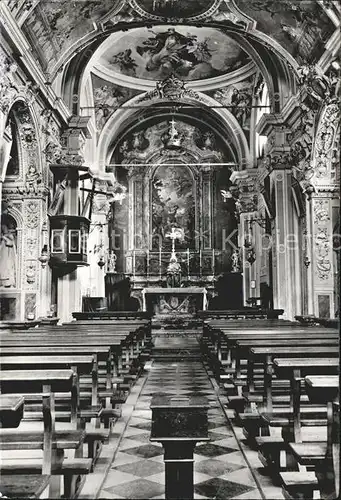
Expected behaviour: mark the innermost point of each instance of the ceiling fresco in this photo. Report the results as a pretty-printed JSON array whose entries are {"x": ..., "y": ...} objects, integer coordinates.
[
  {"x": 56, "y": 24},
  {"x": 239, "y": 98},
  {"x": 189, "y": 53},
  {"x": 175, "y": 8},
  {"x": 302, "y": 28},
  {"x": 107, "y": 98}
]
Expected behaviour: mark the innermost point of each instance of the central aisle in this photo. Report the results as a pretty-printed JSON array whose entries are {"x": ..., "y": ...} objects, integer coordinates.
[{"x": 220, "y": 470}]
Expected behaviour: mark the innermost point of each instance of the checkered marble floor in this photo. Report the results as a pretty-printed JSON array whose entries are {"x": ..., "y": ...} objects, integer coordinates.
[{"x": 220, "y": 471}]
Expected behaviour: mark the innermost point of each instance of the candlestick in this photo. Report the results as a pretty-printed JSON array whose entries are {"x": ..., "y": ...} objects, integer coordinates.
[
  {"x": 160, "y": 262},
  {"x": 147, "y": 256},
  {"x": 200, "y": 261},
  {"x": 188, "y": 262},
  {"x": 134, "y": 263},
  {"x": 213, "y": 261}
]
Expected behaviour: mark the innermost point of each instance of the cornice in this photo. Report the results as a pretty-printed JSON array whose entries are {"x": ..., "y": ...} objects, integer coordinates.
[
  {"x": 288, "y": 116},
  {"x": 201, "y": 85}
]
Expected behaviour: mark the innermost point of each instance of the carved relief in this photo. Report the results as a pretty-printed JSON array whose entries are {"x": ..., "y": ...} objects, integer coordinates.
[
  {"x": 171, "y": 88},
  {"x": 322, "y": 241},
  {"x": 325, "y": 139},
  {"x": 8, "y": 90},
  {"x": 31, "y": 214},
  {"x": 30, "y": 306},
  {"x": 31, "y": 271}
]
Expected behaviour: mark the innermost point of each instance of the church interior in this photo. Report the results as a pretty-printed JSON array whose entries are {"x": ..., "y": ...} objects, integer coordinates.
[{"x": 170, "y": 249}]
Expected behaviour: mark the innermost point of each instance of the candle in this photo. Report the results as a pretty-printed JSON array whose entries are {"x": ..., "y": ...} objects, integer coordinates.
[
  {"x": 134, "y": 263},
  {"x": 147, "y": 255},
  {"x": 188, "y": 262}
]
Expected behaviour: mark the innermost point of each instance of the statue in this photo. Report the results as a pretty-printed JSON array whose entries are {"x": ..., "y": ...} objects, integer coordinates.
[
  {"x": 112, "y": 262},
  {"x": 8, "y": 257},
  {"x": 235, "y": 262},
  {"x": 33, "y": 178}
]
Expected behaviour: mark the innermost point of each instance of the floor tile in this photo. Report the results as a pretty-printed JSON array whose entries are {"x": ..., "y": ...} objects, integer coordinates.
[
  {"x": 123, "y": 458},
  {"x": 145, "y": 451},
  {"x": 211, "y": 450},
  {"x": 220, "y": 489},
  {"x": 139, "y": 489},
  {"x": 116, "y": 477},
  {"x": 220, "y": 470},
  {"x": 143, "y": 468},
  {"x": 142, "y": 438},
  {"x": 216, "y": 468}
]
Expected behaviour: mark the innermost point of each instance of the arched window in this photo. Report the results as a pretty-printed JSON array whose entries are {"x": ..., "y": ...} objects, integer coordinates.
[{"x": 263, "y": 100}]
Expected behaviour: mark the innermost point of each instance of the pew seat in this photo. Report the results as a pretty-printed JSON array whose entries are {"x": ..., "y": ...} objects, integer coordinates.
[
  {"x": 298, "y": 485},
  {"x": 24, "y": 486},
  {"x": 309, "y": 453}
]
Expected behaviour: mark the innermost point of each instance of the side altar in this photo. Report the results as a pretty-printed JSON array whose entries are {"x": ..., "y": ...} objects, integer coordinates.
[{"x": 188, "y": 300}]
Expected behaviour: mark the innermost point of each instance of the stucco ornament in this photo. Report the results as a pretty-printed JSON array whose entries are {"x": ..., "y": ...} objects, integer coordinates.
[{"x": 8, "y": 90}]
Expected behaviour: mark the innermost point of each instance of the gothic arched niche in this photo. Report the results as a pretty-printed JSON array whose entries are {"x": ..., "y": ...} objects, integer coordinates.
[
  {"x": 13, "y": 166},
  {"x": 8, "y": 252},
  {"x": 173, "y": 205}
]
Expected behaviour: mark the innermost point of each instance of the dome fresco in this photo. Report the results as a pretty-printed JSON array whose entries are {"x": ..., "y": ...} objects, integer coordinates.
[
  {"x": 189, "y": 53},
  {"x": 175, "y": 8}
]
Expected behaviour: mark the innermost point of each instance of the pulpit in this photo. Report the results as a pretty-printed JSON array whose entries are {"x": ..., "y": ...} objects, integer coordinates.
[{"x": 179, "y": 422}]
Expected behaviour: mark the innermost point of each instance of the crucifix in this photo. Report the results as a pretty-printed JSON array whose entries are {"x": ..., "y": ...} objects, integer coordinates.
[{"x": 175, "y": 234}]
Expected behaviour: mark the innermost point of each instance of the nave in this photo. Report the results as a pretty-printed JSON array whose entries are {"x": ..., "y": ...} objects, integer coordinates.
[{"x": 76, "y": 411}]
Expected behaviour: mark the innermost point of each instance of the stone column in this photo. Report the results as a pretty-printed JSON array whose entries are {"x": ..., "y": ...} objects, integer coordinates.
[{"x": 284, "y": 241}]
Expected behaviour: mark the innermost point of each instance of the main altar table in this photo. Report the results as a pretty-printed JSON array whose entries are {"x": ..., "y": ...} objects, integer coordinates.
[{"x": 174, "y": 300}]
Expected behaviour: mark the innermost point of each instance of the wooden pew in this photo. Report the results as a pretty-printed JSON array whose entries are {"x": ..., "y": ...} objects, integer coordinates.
[
  {"x": 291, "y": 421},
  {"x": 111, "y": 342},
  {"x": 53, "y": 443},
  {"x": 266, "y": 352},
  {"x": 11, "y": 410},
  {"x": 69, "y": 338},
  {"x": 247, "y": 312},
  {"x": 321, "y": 390},
  {"x": 225, "y": 340},
  {"x": 116, "y": 341}
]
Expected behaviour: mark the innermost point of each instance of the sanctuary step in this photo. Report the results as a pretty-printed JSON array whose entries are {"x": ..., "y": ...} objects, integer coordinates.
[
  {"x": 176, "y": 349},
  {"x": 176, "y": 339}
]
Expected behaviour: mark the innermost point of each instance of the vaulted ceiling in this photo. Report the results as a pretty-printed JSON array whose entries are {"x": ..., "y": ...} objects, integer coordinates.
[{"x": 56, "y": 29}]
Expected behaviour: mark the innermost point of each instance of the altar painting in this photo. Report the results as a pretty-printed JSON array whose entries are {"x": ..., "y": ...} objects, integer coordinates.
[{"x": 173, "y": 206}]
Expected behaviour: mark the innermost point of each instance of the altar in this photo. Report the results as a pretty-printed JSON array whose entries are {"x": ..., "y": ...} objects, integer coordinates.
[{"x": 187, "y": 300}]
